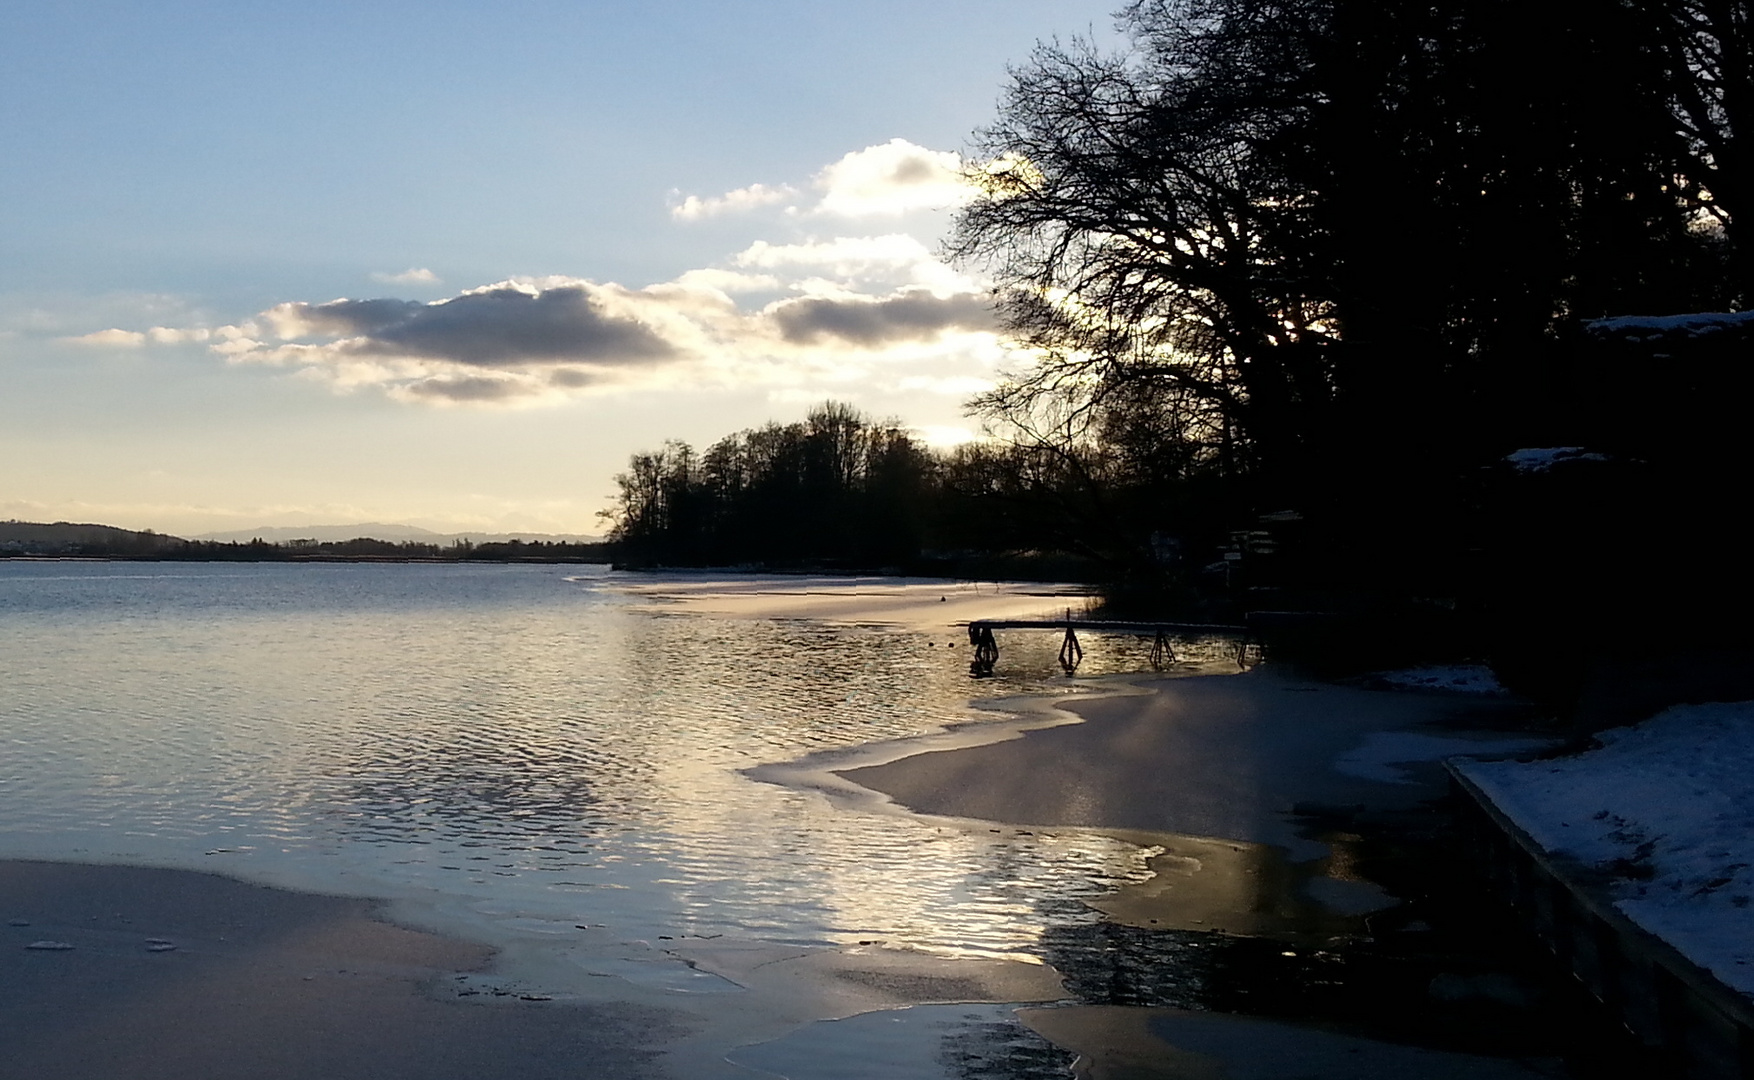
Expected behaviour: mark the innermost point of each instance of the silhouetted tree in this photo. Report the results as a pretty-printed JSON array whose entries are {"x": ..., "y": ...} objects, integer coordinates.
[
  {"x": 836, "y": 488},
  {"x": 1323, "y": 248}
]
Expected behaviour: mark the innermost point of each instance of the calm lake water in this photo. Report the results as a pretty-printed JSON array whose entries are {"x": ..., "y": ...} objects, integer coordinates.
[{"x": 522, "y": 744}]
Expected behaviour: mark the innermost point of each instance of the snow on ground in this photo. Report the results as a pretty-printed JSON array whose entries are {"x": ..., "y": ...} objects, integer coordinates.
[
  {"x": 1456, "y": 678},
  {"x": 1641, "y": 327},
  {"x": 1667, "y": 807},
  {"x": 1538, "y": 459}
]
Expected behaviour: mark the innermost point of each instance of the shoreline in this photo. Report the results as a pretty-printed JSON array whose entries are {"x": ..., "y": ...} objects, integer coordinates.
[
  {"x": 511, "y": 990},
  {"x": 689, "y": 984},
  {"x": 691, "y": 999}
]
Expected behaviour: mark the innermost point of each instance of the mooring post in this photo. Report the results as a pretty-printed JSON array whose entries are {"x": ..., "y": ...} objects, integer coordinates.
[
  {"x": 986, "y": 649},
  {"x": 1251, "y": 649},
  {"x": 1071, "y": 653},
  {"x": 1161, "y": 653}
]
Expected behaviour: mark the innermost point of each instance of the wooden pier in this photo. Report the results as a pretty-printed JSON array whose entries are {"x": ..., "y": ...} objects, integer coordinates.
[{"x": 986, "y": 647}]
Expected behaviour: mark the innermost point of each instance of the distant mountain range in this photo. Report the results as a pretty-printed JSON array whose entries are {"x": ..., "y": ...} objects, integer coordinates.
[
  {"x": 377, "y": 530},
  {"x": 31, "y": 535}
]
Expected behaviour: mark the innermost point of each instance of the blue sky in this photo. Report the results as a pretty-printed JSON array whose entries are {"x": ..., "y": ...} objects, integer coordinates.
[{"x": 644, "y": 221}]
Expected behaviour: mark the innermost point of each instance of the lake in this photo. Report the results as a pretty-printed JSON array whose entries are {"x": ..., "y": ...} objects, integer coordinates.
[
  {"x": 511, "y": 744},
  {"x": 589, "y": 771}
]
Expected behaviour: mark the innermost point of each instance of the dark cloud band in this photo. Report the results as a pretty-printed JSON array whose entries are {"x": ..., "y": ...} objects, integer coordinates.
[
  {"x": 496, "y": 328},
  {"x": 913, "y": 316}
]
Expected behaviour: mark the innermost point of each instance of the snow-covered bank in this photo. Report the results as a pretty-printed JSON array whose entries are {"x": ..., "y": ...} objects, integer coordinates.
[{"x": 1666, "y": 811}]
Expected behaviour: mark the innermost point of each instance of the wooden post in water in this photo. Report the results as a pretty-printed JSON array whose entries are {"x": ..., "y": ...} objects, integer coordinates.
[{"x": 1071, "y": 653}]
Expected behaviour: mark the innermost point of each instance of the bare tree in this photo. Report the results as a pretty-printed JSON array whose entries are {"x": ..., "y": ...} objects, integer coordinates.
[
  {"x": 1705, "y": 49},
  {"x": 1126, "y": 207}
]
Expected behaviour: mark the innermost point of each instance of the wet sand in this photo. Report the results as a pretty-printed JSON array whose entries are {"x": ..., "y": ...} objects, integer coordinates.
[{"x": 269, "y": 984}]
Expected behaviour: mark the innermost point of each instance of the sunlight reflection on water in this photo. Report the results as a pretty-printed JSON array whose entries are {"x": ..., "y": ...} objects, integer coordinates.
[{"x": 517, "y": 737}]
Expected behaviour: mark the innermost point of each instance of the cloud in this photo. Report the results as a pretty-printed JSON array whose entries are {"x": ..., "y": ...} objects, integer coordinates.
[
  {"x": 888, "y": 179},
  {"x": 504, "y": 325},
  {"x": 729, "y": 281},
  {"x": 111, "y": 338},
  {"x": 894, "y": 260},
  {"x": 915, "y": 315},
  {"x": 133, "y": 339},
  {"x": 744, "y": 199},
  {"x": 530, "y": 341},
  {"x": 892, "y": 178},
  {"x": 846, "y": 255},
  {"x": 338, "y": 318},
  {"x": 68, "y": 316},
  {"x": 786, "y": 314},
  {"x": 414, "y": 275},
  {"x": 454, "y": 390}
]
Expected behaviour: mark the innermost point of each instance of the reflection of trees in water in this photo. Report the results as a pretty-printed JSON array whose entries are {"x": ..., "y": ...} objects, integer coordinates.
[
  {"x": 981, "y": 1048},
  {"x": 1105, "y": 963},
  {"x": 1505, "y": 1001}
]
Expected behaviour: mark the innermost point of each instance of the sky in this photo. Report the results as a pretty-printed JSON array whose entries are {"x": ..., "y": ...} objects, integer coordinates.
[{"x": 450, "y": 264}]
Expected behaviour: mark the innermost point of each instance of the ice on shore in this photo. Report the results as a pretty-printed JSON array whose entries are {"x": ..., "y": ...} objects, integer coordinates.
[
  {"x": 1382, "y": 754},
  {"x": 1453, "y": 678},
  {"x": 1667, "y": 809},
  {"x": 1539, "y": 459}
]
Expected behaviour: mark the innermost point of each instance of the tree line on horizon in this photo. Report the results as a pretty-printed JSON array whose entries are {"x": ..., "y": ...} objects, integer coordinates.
[
  {"x": 839, "y": 490},
  {"x": 20, "y": 539}
]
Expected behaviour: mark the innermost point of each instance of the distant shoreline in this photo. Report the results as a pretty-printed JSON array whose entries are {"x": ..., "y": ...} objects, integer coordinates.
[{"x": 273, "y": 557}]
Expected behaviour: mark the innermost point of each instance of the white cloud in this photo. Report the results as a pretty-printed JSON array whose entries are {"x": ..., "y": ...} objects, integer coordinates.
[
  {"x": 744, "y": 199},
  {"x": 892, "y": 178},
  {"x": 890, "y": 261},
  {"x": 111, "y": 338},
  {"x": 729, "y": 281},
  {"x": 414, "y": 275},
  {"x": 881, "y": 312},
  {"x": 133, "y": 339},
  {"x": 533, "y": 340},
  {"x": 70, "y": 315},
  {"x": 887, "y": 179}
]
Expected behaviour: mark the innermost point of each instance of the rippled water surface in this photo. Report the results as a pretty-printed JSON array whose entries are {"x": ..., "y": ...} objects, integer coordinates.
[{"x": 524, "y": 739}]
